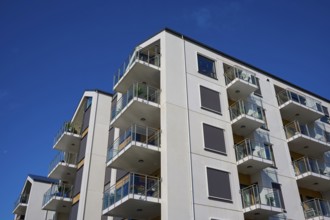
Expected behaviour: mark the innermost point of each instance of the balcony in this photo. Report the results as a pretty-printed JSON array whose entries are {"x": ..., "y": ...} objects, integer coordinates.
[
  {"x": 260, "y": 202},
  {"x": 63, "y": 166},
  {"x": 316, "y": 209},
  {"x": 134, "y": 196},
  {"x": 312, "y": 174},
  {"x": 294, "y": 106},
  {"x": 140, "y": 104},
  {"x": 20, "y": 204},
  {"x": 245, "y": 117},
  {"x": 136, "y": 150},
  {"x": 142, "y": 66},
  {"x": 67, "y": 139},
  {"x": 240, "y": 83},
  {"x": 58, "y": 198},
  {"x": 252, "y": 156},
  {"x": 312, "y": 140}
]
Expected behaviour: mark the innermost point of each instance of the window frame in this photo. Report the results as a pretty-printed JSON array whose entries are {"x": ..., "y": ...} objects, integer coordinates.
[
  {"x": 256, "y": 93},
  {"x": 210, "y": 149},
  {"x": 213, "y": 74},
  {"x": 206, "y": 108},
  {"x": 208, "y": 190}
]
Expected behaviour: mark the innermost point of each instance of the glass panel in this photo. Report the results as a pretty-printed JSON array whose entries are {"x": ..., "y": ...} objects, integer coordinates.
[
  {"x": 243, "y": 107},
  {"x": 206, "y": 66},
  {"x": 252, "y": 148}
]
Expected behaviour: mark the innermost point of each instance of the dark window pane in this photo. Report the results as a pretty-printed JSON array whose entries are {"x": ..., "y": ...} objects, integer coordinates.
[
  {"x": 218, "y": 184},
  {"x": 120, "y": 174},
  {"x": 280, "y": 200},
  {"x": 86, "y": 119},
  {"x": 107, "y": 175},
  {"x": 325, "y": 110},
  {"x": 258, "y": 91},
  {"x": 206, "y": 66},
  {"x": 214, "y": 139},
  {"x": 74, "y": 211},
  {"x": 82, "y": 148},
  {"x": 77, "y": 182},
  {"x": 210, "y": 99}
]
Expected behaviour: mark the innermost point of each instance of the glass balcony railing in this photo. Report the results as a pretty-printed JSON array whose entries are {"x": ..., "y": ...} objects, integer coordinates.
[
  {"x": 57, "y": 190},
  {"x": 137, "y": 90},
  {"x": 314, "y": 130},
  {"x": 246, "y": 108},
  {"x": 149, "y": 56},
  {"x": 249, "y": 147},
  {"x": 315, "y": 208},
  {"x": 67, "y": 127},
  {"x": 287, "y": 95},
  {"x": 140, "y": 185},
  {"x": 305, "y": 164},
  {"x": 256, "y": 195},
  {"x": 63, "y": 157},
  {"x": 233, "y": 73},
  {"x": 24, "y": 198},
  {"x": 142, "y": 134}
]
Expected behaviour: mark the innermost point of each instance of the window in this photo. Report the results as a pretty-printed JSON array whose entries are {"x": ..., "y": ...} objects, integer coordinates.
[
  {"x": 206, "y": 66},
  {"x": 325, "y": 118},
  {"x": 218, "y": 185},
  {"x": 214, "y": 139},
  {"x": 258, "y": 91},
  {"x": 278, "y": 197},
  {"x": 210, "y": 100},
  {"x": 265, "y": 125}
]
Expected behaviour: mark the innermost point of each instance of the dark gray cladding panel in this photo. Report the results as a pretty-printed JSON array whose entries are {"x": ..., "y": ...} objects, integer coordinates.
[
  {"x": 210, "y": 99},
  {"x": 87, "y": 115},
  {"x": 214, "y": 139},
  {"x": 216, "y": 178},
  {"x": 82, "y": 148},
  {"x": 74, "y": 211},
  {"x": 77, "y": 182}
]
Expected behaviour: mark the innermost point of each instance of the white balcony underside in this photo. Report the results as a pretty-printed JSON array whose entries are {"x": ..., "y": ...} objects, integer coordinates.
[
  {"x": 294, "y": 111},
  {"x": 245, "y": 124},
  {"x": 20, "y": 209},
  {"x": 138, "y": 111},
  {"x": 58, "y": 204},
  {"x": 240, "y": 89},
  {"x": 129, "y": 207},
  {"x": 68, "y": 142},
  {"x": 139, "y": 72},
  {"x": 306, "y": 145},
  {"x": 261, "y": 211},
  {"x": 308, "y": 180},
  {"x": 130, "y": 157},
  {"x": 250, "y": 164},
  {"x": 63, "y": 171}
]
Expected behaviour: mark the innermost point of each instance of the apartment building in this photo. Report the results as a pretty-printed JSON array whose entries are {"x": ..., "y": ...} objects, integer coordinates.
[
  {"x": 198, "y": 134},
  {"x": 190, "y": 133},
  {"x": 28, "y": 204}
]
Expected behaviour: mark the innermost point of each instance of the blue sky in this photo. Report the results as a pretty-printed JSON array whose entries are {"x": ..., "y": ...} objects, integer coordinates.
[{"x": 51, "y": 51}]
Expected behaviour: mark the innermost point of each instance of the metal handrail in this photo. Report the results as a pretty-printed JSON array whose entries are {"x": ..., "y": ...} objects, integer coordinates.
[
  {"x": 287, "y": 95},
  {"x": 257, "y": 195},
  {"x": 249, "y": 147},
  {"x": 146, "y": 135},
  {"x": 137, "y": 90},
  {"x": 305, "y": 164},
  {"x": 57, "y": 190},
  {"x": 147, "y": 56},
  {"x": 66, "y": 127},
  {"x": 237, "y": 73},
  {"x": 23, "y": 198},
  {"x": 63, "y": 157},
  {"x": 242, "y": 107},
  {"x": 139, "y": 186},
  {"x": 316, "y": 207}
]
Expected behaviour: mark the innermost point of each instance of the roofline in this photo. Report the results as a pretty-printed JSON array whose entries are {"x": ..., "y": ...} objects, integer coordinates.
[
  {"x": 99, "y": 91},
  {"x": 184, "y": 37}
]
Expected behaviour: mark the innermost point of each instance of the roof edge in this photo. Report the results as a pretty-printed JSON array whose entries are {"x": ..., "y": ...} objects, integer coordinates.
[{"x": 184, "y": 37}]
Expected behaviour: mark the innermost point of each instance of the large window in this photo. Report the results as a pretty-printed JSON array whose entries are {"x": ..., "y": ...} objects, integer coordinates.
[
  {"x": 214, "y": 139},
  {"x": 258, "y": 91},
  {"x": 218, "y": 185},
  {"x": 206, "y": 66},
  {"x": 210, "y": 100}
]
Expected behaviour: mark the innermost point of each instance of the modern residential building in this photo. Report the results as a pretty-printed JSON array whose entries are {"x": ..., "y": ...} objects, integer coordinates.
[
  {"x": 28, "y": 204},
  {"x": 192, "y": 133},
  {"x": 80, "y": 163},
  {"x": 198, "y": 134}
]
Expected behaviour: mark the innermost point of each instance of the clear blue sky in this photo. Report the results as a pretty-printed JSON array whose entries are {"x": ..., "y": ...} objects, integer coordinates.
[{"x": 51, "y": 51}]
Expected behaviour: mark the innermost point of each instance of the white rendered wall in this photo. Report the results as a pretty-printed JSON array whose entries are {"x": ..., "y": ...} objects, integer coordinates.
[
  {"x": 34, "y": 211},
  {"x": 92, "y": 185}
]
